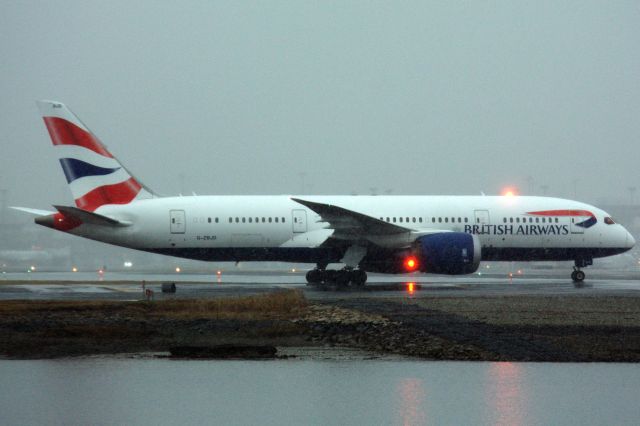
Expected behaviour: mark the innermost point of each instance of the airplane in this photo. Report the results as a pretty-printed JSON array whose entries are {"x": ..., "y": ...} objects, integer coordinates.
[{"x": 379, "y": 234}]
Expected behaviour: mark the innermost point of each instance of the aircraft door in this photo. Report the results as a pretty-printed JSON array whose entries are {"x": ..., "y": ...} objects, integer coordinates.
[
  {"x": 575, "y": 229},
  {"x": 299, "y": 220},
  {"x": 481, "y": 217},
  {"x": 177, "y": 221}
]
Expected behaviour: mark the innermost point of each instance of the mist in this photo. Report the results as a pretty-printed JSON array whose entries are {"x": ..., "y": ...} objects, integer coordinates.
[{"x": 329, "y": 97}]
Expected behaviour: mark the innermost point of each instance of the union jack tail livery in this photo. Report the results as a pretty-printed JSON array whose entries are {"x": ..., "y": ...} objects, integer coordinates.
[{"x": 94, "y": 175}]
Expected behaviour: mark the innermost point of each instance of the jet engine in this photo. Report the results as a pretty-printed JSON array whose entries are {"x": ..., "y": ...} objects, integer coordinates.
[{"x": 452, "y": 253}]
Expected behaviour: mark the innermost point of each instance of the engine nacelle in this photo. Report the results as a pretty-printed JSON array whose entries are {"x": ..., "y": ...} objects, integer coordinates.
[{"x": 452, "y": 253}]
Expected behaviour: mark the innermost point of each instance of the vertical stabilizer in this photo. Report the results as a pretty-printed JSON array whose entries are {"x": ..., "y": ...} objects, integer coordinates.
[{"x": 95, "y": 177}]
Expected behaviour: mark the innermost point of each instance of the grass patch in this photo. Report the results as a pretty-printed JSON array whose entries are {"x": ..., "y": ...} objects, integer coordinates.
[{"x": 283, "y": 304}]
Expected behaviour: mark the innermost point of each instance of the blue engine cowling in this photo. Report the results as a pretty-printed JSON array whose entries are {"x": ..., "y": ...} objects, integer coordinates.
[{"x": 452, "y": 253}]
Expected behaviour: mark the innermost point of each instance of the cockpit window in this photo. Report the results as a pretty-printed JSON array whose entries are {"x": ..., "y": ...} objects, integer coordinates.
[{"x": 608, "y": 221}]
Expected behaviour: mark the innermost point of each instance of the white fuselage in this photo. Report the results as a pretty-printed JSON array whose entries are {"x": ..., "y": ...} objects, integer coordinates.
[{"x": 278, "y": 228}]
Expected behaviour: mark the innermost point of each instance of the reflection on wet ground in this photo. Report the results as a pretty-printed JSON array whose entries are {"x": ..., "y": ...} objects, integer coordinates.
[{"x": 116, "y": 286}]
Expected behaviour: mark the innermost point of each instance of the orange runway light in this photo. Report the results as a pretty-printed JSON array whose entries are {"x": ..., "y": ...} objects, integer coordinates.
[{"x": 411, "y": 287}]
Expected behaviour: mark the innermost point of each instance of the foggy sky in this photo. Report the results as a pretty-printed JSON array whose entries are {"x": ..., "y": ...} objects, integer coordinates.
[{"x": 255, "y": 98}]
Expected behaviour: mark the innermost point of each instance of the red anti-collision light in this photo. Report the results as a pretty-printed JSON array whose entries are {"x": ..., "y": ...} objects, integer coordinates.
[{"x": 411, "y": 263}]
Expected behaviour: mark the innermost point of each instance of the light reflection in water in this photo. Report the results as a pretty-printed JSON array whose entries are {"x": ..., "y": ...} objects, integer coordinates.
[
  {"x": 411, "y": 396},
  {"x": 506, "y": 399}
]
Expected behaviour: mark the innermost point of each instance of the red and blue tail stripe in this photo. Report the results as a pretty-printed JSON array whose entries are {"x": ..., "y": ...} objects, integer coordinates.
[
  {"x": 95, "y": 177},
  {"x": 76, "y": 169},
  {"x": 63, "y": 132}
]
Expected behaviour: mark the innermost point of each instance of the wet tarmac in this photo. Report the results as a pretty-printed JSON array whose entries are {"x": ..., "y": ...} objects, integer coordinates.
[{"x": 122, "y": 286}]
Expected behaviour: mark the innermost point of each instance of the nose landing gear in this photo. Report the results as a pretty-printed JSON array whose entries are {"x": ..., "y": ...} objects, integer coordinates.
[{"x": 578, "y": 275}]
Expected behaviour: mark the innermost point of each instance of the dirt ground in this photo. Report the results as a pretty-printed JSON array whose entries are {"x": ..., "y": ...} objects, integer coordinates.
[{"x": 513, "y": 328}]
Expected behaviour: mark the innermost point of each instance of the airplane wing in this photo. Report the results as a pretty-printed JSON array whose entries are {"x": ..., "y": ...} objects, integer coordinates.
[{"x": 351, "y": 223}]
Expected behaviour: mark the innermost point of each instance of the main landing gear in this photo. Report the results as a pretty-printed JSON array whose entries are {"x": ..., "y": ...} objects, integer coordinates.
[
  {"x": 340, "y": 278},
  {"x": 578, "y": 275}
]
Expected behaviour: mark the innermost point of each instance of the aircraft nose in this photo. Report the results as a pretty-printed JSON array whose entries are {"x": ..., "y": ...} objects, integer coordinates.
[{"x": 630, "y": 240}]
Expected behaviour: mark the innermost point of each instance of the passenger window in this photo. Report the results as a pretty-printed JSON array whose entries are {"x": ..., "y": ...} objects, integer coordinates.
[
  {"x": 439, "y": 220},
  {"x": 510, "y": 220},
  {"x": 283, "y": 220},
  {"x": 216, "y": 220},
  {"x": 250, "y": 219},
  {"x": 504, "y": 220},
  {"x": 209, "y": 219},
  {"x": 230, "y": 220},
  {"x": 243, "y": 220},
  {"x": 446, "y": 220},
  {"x": 263, "y": 220},
  {"x": 237, "y": 220},
  {"x": 276, "y": 220},
  {"x": 420, "y": 219},
  {"x": 269, "y": 220},
  {"x": 388, "y": 220},
  {"x": 556, "y": 220},
  {"x": 537, "y": 219},
  {"x": 466, "y": 219},
  {"x": 433, "y": 220},
  {"x": 400, "y": 220}
]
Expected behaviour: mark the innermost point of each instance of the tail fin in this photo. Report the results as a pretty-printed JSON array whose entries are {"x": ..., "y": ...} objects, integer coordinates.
[{"x": 95, "y": 176}]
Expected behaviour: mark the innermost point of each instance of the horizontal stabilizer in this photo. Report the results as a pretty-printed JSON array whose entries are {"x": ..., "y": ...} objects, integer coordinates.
[
  {"x": 37, "y": 212},
  {"x": 90, "y": 218}
]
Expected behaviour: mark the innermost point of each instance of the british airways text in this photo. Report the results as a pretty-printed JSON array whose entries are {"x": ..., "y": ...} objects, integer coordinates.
[{"x": 517, "y": 229}]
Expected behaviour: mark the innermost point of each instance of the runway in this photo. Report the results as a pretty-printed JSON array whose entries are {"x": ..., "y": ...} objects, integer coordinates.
[{"x": 123, "y": 286}]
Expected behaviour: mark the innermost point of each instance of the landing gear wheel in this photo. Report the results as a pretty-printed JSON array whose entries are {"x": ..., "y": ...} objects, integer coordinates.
[
  {"x": 573, "y": 276},
  {"x": 314, "y": 276},
  {"x": 342, "y": 278},
  {"x": 358, "y": 277},
  {"x": 578, "y": 276}
]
